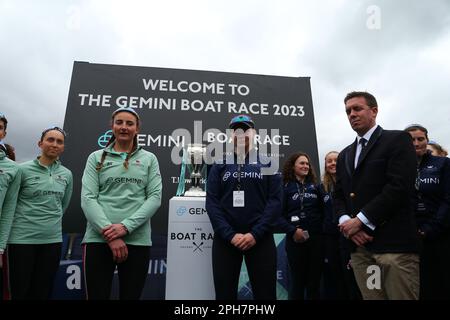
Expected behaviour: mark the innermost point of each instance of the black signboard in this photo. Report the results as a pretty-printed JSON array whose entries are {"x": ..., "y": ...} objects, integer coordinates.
[{"x": 171, "y": 99}]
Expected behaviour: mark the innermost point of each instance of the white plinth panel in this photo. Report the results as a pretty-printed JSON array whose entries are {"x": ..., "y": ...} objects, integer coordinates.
[{"x": 189, "y": 242}]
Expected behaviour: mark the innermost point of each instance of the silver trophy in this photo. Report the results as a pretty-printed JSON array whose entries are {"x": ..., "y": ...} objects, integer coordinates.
[{"x": 193, "y": 171}]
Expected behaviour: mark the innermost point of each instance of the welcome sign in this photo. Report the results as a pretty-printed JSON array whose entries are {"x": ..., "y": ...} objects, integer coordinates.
[{"x": 178, "y": 107}]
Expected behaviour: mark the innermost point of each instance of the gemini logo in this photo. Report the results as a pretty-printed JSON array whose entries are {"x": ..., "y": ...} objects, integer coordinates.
[
  {"x": 181, "y": 211},
  {"x": 226, "y": 176},
  {"x": 104, "y": 138}
]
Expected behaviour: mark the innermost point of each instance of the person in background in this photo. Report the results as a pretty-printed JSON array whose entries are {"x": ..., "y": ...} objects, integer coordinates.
[
  {"x": 9, "y": 188},
  {"x": 338, "y": 278},
  {"x": 302, "y": 220},
  {"x": 432, "y": 210},
  {"x": 436, "y": 149},
  {"x": 333, "y": 273},
  {"x": 121, "y": 191},
  {"x": 243, "y": 204},
  {"x": 34, "y": 244},
  {"x": 6, "y": 148}
]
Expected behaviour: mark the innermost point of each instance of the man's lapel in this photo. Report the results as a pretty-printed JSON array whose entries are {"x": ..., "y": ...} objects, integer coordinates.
[
  {"x": 350, "y": 159},
  {"x": 373, "y": 139}
]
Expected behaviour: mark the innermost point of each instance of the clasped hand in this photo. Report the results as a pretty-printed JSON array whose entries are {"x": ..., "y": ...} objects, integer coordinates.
[
  {"x": 243, "y": 241},
  {"x": 351, "y": 229},
  {"x": 113, "y": 234}
]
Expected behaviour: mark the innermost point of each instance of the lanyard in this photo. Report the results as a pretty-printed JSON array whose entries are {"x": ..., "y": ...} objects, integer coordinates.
[
  {"x": 239, "y": 168},
  {"x": 417, "y": 183},
  {"x": 239, "y": 177},
  {"x": 301, "y": 194}
]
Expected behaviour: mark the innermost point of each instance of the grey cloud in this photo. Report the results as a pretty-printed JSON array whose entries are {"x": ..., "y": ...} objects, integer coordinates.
[
  {"x": 326, "y": 40},
  {"x": 388, "y": 62}
]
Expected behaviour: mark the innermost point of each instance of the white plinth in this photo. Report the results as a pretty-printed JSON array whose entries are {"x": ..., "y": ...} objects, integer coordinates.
[{"x": 189, "y": 242}]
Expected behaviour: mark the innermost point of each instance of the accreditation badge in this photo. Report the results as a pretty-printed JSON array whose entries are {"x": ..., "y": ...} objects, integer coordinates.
[{"x": 238, "y": 199}]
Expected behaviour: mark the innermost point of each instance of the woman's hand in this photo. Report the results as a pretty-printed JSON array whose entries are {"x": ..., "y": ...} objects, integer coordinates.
[
  {"x": 246, "y": 242},
  {"x": 236, "y": 239},
  {"x": 114, "y": 231},
  {"x": 119, "y": 250}
]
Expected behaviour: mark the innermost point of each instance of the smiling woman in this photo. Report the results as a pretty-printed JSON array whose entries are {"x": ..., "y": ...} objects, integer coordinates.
[
  {"x": 34, "y": 245},
  {"x": 302, "y": 219}
]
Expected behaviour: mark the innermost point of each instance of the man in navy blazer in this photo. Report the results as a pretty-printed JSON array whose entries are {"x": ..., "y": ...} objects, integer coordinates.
[{"x": 375, "y": 181}]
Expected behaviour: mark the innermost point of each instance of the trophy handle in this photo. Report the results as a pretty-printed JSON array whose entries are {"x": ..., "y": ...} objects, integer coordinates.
[{"x": 181, "y": 181}]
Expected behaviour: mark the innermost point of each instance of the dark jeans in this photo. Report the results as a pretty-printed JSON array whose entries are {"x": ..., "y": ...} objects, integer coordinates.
[
  {"x": 305, "y": 264},
  {"x": 32, "y": 269},
  {"x": 99, "y": 268},
  {"x": 261, "y": 262}
]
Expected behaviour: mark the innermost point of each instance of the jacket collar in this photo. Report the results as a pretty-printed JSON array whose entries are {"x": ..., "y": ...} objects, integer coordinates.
[
  {"x": 350, "y": 160},
  {"x": 110, "y": 149},
  {"x": 55, "y": 164}
]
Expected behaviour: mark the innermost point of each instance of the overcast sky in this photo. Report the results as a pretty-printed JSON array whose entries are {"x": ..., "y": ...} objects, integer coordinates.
[{"x": 397, "y": 50}]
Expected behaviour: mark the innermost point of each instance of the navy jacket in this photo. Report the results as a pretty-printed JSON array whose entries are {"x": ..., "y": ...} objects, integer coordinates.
[
  {"x": 310, "y": 217},
  {"x": 330, "y": 223},
  {"x": 262, "y": 199},
  {"x": 432, "y": 198},
  {"x": 381, "y": 186}
]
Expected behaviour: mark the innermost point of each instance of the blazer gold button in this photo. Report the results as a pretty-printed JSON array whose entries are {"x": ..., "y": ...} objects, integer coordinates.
[{"x": 352, "y": 195}]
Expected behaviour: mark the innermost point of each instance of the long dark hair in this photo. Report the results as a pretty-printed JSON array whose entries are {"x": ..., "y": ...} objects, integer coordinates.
[
  {"x": 113, "y": 138},
  {"x": 288, "y": 169}
]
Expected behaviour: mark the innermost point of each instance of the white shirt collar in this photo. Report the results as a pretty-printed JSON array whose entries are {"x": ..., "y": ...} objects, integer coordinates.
[{"x": 368, "y": 134}]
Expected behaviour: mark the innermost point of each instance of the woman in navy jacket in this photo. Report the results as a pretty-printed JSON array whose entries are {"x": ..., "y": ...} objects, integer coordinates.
[
  {"x": 333, "y": 272},
  {"x": 243, "y": 203},
  {"x": 432, "y": 210},
  {"x": 338, "y": 278},
  {"x": 302, "y": 220}
]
